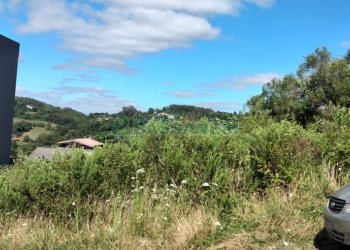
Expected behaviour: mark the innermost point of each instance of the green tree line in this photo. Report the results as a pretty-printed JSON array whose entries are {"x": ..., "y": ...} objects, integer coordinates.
[{"x": 319, "y": 83}]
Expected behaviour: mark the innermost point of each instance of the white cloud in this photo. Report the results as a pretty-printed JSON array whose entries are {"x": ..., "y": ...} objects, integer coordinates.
[
  {"x": 241, "y": 83},
  {"x": 345, "y": 44},
  {"x": 190, "y": 93},
  {"x": 10, "y": 5},
  {"x": 83, "y": 78},
  {"x": 221, "y": 106},
  {"x": 184, "y": 94},
  {"x": 262, "y": 3},
  {"x": 108, "y": 103},
  {"x": 194, "y": 6},
  {"x": 83, "y": 99},
  {"x": 106, "y": 33}
]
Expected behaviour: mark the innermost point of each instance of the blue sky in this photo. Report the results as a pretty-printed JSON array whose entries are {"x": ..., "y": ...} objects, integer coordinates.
[{"x": 101, "y": 55}]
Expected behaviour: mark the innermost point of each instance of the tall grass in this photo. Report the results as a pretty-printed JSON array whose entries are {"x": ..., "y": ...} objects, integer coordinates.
[{"x": 177, "y": 188}]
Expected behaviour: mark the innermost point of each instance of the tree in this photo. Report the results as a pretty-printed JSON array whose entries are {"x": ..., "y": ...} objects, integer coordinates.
[
  {"x": 128, "y": 111},
  {"x": 321, "y": 81},
  {"x": 347, "y": 56}
]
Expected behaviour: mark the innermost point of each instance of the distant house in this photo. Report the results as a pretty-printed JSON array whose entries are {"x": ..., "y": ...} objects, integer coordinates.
[
  {"x": 65, "y": 147},
  {"x": 86, "y": 143}
]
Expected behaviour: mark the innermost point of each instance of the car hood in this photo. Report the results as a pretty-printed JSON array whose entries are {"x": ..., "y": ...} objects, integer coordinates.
[{"x": 343, "y": 193}]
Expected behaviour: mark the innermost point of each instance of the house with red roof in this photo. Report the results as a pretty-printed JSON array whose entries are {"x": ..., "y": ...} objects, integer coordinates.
[
  {"x": 85, "y": 143},
  {"x": 66, "y": 147}
]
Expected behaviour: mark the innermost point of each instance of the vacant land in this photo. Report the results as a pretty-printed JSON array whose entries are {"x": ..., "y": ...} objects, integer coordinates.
[{"x": 262, "y": 186}]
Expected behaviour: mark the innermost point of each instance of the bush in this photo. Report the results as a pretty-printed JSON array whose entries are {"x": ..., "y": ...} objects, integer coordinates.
[
  {"x": 210, "y": 166},
  {"x": 281, "y": 151}
]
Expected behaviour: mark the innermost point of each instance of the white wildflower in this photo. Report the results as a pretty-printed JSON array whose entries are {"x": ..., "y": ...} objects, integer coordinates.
[
  {"x": 133, "y": 178},
  {"x": 165, "y": 218},
  {"x": 205, "y": 184},
  {"x": 184, "y": 182},
  {"x": 73, "y": 203},
  {"x": 217, "y": 224},
  {"x": 167, "y": 205},
  {"x": 24, "y": 224},
  {"x": 140, "y": 171},
  {"x": 172, "y": 185},
  {"x": 285, "y": 243},
  {"x": 141, "y": 188}
]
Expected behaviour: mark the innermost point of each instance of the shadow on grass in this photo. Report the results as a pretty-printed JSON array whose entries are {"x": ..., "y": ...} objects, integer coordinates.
[{"x": 323, "y": 242}]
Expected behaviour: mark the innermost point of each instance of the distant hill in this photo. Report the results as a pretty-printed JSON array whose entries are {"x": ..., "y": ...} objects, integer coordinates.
[
  {"x": 40, "y": 124},
  {"x": 28, "y": 108}
]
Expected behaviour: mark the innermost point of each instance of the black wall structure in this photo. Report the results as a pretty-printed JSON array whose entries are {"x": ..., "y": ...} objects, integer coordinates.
[{"x": 9, "y": 52}]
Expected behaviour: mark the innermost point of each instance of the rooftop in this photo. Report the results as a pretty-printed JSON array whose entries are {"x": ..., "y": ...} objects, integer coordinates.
[{"x": 86, "y": 142}]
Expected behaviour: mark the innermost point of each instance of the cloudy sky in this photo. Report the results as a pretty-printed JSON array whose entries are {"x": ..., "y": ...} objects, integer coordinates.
[{"x": 101, "y": 55}]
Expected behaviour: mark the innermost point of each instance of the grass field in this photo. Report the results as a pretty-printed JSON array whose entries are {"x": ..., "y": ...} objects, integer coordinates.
[
  {"x": 38, "y": 129},
  {"x": 35, "y": 132},
  {"x": 16, "y": 120}
]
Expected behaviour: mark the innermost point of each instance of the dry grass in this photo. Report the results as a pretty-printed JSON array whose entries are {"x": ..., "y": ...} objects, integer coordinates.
[
  {"x": 281, "y": 219},
  {"x": 118, "y": 225},
  {"x": 196, "y": 225}
]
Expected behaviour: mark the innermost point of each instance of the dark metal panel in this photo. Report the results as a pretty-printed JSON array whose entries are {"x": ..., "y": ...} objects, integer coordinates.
[{"x": 9, "y": 52}]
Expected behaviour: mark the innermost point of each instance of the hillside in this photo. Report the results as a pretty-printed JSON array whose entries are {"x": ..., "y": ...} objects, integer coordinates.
[{"x": 39, "y": 124}]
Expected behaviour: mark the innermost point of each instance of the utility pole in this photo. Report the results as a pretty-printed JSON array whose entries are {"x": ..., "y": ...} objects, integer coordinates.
[{"x": 9, "y": 52}]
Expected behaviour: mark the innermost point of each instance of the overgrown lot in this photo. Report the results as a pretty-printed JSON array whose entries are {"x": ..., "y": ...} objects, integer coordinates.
[{"x": 174, "y": 186}]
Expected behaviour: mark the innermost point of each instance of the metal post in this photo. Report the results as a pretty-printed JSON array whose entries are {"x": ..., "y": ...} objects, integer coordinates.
[{"x": 9, "y": 52}]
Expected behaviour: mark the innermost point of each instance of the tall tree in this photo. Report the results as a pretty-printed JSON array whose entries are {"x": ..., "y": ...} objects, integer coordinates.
[{"x": 320, "y": 81}]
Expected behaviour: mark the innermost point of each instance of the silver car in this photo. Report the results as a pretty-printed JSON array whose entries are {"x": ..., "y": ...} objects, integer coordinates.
[{"x": 337, "y": 215}]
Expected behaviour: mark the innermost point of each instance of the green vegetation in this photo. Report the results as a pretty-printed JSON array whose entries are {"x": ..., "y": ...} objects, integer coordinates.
[
  {"x": 35, "y": 132},
  {"x": 321, "y": 82},
  {"x": 267, "y": 181},
  {"x": 45, "y": 124},
  {"x": 251, "y": 181}
]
